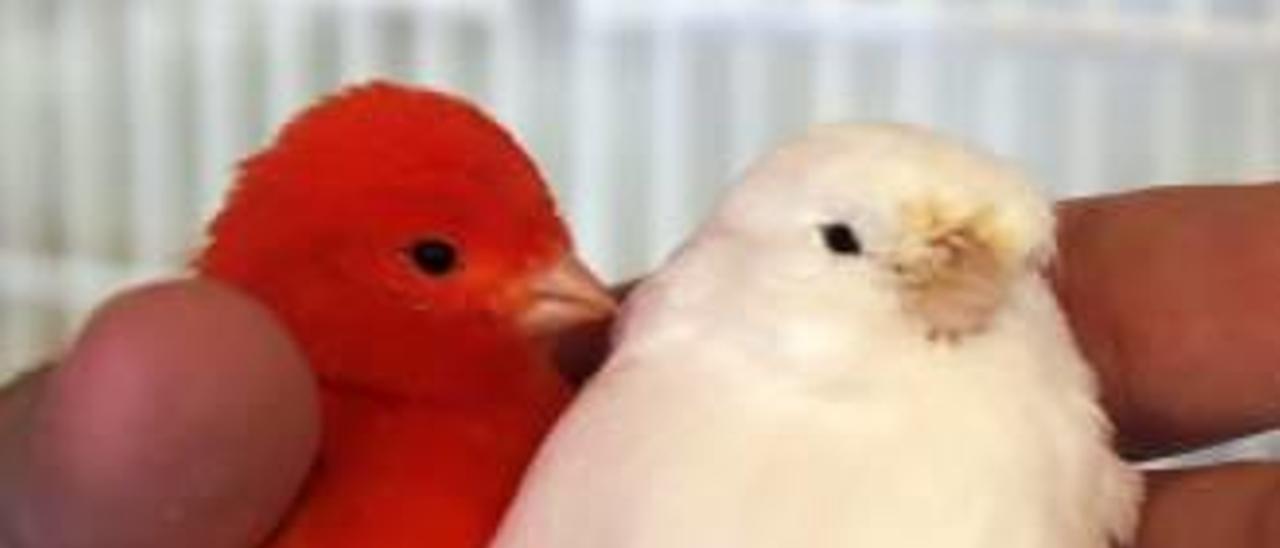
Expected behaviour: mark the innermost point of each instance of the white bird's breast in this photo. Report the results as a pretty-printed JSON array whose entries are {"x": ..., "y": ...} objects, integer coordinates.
[{"x": 987, "y": 445}]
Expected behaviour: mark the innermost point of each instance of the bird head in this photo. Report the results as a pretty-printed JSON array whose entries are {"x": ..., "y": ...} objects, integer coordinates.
[
  {"x": 863, "y": 217},
  {"x": 404, "y": 237}
]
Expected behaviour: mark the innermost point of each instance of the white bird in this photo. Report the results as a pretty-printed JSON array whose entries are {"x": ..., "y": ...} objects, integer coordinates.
[{"x": 855, "y": 350}]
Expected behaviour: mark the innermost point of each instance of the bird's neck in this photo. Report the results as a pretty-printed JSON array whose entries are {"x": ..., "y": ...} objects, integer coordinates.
[
  {"x": 400, "y": 471},
  {"x": 433, "y": 389},
  {"x": 356, "y": 421},
  {"x": 468, "y": 362}
]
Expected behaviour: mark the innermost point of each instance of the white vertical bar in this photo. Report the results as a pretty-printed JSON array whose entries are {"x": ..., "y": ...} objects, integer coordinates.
[
  {"x": 1085, "y": 137},
  {"x": 289, "y": 28},
  {"x": 916, "y": 81},
  {"x": 18, "y": 194},
  {"x": 1266, "y": 135},
  {"x": 914, "y": 96},
  {"x": 588, "y": 197},
  {"x": 1013, "y": 8},
  {"x": 1086, "y": 133},
  {"x": 1170, "y": 125},
  {"x": 358, "y": 41},
  {"x": 1192, "y": 15},
  {"x": 157, "y": 233},
  {"x": 1001, "y": 104},
  {"x": 219, "y": 104},
  {"x": 1173, "y": 106},
  {"x": 1263, "y": 111},
  {"x": 669, "y": 198},
  {"x": 749, "y": 104},
  {"x": 1099, "y": 11},
  {"x": 80, "y": 63},
  {"x": 833, "y": 93},
  {"x": 436, "y": 55},
  {"x": 511, "y": 64},
  {"x": 1262, "y": 121},
  {"x": 15, "y": 111}
]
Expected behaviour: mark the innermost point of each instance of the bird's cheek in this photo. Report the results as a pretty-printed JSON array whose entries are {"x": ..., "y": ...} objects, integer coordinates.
[
  {"x": 389, "y": 277},
  {"x": 954, "y": 287}
]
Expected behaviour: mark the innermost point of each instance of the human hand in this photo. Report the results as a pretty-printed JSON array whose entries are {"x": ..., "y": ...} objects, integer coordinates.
[
  {"x": 182, "y": 416},
  {"x": 1174, "y": 295}
]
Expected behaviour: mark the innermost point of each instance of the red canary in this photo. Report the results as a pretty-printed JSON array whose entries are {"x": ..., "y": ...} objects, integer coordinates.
[{"x": 414, "y": 251}]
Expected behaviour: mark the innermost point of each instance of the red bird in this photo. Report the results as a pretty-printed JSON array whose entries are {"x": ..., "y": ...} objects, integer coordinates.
[{"x": 412, "y": 248}]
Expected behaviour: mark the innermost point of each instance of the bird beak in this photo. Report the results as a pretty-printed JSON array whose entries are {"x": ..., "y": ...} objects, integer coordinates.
[
  {"x": 953, "y": 280},
  {"x": 565, "y": 296}
]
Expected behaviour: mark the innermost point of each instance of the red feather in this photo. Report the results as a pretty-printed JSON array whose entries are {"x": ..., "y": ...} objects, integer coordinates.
[{"x": 434, "y": 400}]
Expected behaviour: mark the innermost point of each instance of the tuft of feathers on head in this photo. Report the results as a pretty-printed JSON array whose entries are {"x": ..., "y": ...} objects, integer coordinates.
[
  {"x": 901, "y": 171},
  {"x": 329, "y": 223},
  {"x": 384, "y": 133},
  {"x": 378, "y": 139}
]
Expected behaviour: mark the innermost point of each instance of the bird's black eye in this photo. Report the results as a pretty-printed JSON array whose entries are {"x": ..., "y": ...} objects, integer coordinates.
[
  {"x": 840, "y": 239},
  {"x": 434, "y": 256}
]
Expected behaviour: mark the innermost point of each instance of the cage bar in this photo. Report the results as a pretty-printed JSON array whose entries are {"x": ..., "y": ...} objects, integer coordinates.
[
  {"x": 219, "y": 104},
  {"x": 157, "y": 233},
  {"x": 670, "y": 149},
  {"x": 512, "y": 65},
  {"x": 359, "y": 51},
  {"x": 290, "y": 29},
  {"x": 750, "y": 105},
  {"x": 588, "y": 201}
]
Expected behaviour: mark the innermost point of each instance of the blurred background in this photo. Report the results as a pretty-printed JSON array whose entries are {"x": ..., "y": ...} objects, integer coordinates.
[{"x": 121, "y": 121}]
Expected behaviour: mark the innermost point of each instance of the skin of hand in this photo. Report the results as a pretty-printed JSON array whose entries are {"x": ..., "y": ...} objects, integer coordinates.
[
  {"x": 182, "y": 416},
  {"x": 1173, "y": 295},
  {"x": 1171, "y": 292}
]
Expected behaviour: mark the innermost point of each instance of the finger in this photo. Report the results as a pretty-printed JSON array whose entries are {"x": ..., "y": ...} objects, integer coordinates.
[
  {"x": 183, "y": 416},
  {"x": 1232, "y": 506},
  {"x": 1174, "y": 294},
  {"x": 16, "y": 400}
]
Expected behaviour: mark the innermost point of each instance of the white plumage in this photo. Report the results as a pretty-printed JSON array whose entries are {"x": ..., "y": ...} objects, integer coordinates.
[{"x": 914, "y": 386}]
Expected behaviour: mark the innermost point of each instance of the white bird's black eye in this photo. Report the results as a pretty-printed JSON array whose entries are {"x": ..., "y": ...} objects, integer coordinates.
[
  {"x": 434, "y": 256},
  {"x": 840, "y": 239}
]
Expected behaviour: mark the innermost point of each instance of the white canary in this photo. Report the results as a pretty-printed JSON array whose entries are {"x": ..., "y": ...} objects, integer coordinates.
[{"x": 855, "y": 350}]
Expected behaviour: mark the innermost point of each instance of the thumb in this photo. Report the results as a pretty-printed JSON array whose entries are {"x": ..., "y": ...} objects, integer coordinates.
[{"x": 182, "y": 416}]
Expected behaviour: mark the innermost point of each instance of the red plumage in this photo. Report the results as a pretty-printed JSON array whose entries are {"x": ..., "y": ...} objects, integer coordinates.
[{"x": 434, "y": 395}]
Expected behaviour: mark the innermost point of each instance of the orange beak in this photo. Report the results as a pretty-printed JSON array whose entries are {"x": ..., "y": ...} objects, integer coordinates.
[{"x": 567, "y": 295}]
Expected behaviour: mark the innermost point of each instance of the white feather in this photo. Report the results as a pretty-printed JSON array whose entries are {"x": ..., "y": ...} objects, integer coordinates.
[{"x": 766, "y": 393}]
